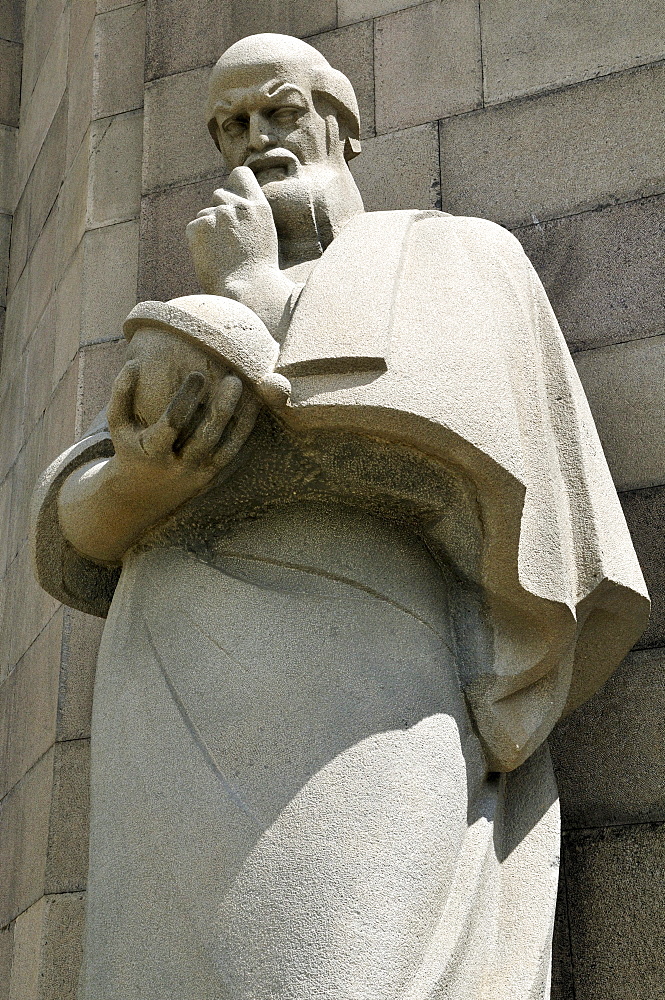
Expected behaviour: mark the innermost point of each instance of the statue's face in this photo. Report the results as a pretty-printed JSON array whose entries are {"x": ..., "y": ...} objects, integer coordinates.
[{"x": 273, "y": 127}]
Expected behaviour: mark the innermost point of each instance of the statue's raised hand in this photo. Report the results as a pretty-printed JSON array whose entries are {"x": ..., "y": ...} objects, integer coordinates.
[
  {"x": 235, "y": 250},
  {"x": 234, "y": 240}
]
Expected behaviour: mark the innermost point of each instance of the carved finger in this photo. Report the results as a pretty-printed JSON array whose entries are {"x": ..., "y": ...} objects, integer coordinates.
[
  {"x": 183, "y": 406},
  {"x": 120, "y": 411},
  {"x": 221, "y": 408},
  {"x": 157, "y": 441},
  {"x": 242, "y": 182},
  {"x": 224, "y": 197},
  {"x": 238, "y": 433}
]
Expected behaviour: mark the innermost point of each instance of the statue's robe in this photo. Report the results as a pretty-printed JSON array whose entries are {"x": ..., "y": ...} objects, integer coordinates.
[{"x": 324, "y": 686}]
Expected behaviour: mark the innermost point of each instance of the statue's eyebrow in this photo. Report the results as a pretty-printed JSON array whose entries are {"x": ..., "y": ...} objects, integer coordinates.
[
  {"x": 271, "y": 91},
  {"x": 281, "y": 89}
]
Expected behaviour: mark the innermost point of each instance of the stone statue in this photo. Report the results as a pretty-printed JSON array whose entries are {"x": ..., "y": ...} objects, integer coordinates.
[{"x": 359, "y": 550}]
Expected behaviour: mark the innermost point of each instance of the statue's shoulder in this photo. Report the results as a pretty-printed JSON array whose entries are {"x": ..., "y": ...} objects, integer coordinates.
[
  {"x": 475, "y": 234},
  {"x": 483, "y": 232}
]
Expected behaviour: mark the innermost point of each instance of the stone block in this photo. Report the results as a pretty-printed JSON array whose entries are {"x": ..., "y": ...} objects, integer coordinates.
[
  {"x": 298, "y": 17},
  {"x": 165, "y": 265},
  {"x": 62, "y": 946},
  {"x": 11, "y": 22},
  {"x": 625, "y": 386},
  {"x": 32, "y": 608},
  {"x": 80, "y": 85},
  {"x": 28, "y": 705},
  {"x": 69, "y": 306},
  {"x": 42, "y": 21},
  {"x": 47, "y": 174},
  {"x": 184, "y": 36},
  {"x": 25, "y": 475},
  {"x": 103, "y": 5},
  {"x": 178, "y": 148},
  {"x": 7, "y": 169},
  {"x": 41, "y": 272},
  {"x": 119, "y": 60},
  {"x": 10, "y": 82},
  {"x": 29, "y": 296},
  {"x": 72, "y": 207},
  {"x": 67, "y": 862},
  {"x": 349, "y": 11},
  {"x": 26, "y": 966},
  {"x": 400, "y": 170},
  {"x": 5, "y": 508},
  {"x": 96, "y": 292},
  {"x": 47, "y": 949},
  {"x": 16, "y": 334},
  {"x": 39, "y": 108},
  {"x": 79, "y": 29},
  {"x": 39, "y": 367},
  {"x": 351, "y": 50},
  {"x": 60, "y": 416},
  {"x": 115, "y": 169},
  {"x": 562, "y": 43},
  {"x": 615, "y": 902},
  {"x": 12, "y": 429},
  {"x": 5, "y": 238},
  {"x": 81, "y": 637},
  {"x": 16, "y": 520},
  {"x": 603, "y": 271},
  {"x": 513, "y": 163},
  {"x": 608, "y": 755},
  {"x": 645, "y": 515},
  {"x": 100, "y": 363},
  {"x": 6, "y": 600},
  {"x": 110, "y": 266},
  {"x": 24, "y": 825},
  {"x": 427, "y": 63},
  {"x": 6, "y": 955}
]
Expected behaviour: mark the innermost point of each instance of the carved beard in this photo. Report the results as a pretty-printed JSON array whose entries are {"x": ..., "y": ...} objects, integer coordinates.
[{"x": 311, "y": 205}]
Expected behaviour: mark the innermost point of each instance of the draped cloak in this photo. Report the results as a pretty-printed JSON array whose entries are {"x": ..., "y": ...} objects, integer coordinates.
[{"x": 313, "y": 676}]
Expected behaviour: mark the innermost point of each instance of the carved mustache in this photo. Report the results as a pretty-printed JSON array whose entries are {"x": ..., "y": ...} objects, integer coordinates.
[{"x": 270, "y": 159}]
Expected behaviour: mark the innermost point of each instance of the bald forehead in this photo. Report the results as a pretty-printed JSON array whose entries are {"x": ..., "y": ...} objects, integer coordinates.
[{"x": 259, "y": 76}]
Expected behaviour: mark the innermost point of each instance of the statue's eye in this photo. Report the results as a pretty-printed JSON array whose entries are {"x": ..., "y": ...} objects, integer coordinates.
[
  {"x": 285, "y": 116},
  {"x": 235, "y": 127}
]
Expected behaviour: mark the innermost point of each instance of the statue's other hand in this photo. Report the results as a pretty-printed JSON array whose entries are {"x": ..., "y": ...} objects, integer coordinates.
[
  {"x": 200, "y": 431},
  {"x": 235, "y": 240},
  {"x": 105, "y": 506}
]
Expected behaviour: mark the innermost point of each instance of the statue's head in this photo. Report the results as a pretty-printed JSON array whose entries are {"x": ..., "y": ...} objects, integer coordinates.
[{"x": 277, "y": 106}]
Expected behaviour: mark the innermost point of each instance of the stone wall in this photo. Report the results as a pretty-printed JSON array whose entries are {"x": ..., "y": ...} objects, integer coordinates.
[{"x": 544, "y": 115}]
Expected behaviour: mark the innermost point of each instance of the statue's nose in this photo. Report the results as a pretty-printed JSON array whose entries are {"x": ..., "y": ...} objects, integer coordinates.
[{"x": 258, "y": 137}]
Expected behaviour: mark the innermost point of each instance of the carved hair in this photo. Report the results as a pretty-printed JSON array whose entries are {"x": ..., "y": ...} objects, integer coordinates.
[{"x": 297, "y": 62}]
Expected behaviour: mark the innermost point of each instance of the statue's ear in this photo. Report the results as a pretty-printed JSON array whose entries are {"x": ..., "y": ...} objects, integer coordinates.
[{"x": 344, "y": 125}]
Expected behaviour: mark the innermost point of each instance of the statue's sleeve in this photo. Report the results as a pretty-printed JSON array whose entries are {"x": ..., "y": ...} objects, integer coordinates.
[{"x": 61, "y": 570}]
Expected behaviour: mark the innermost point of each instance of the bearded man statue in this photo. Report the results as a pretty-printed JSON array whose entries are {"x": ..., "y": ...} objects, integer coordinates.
[{"x": 359, "y": 549}]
